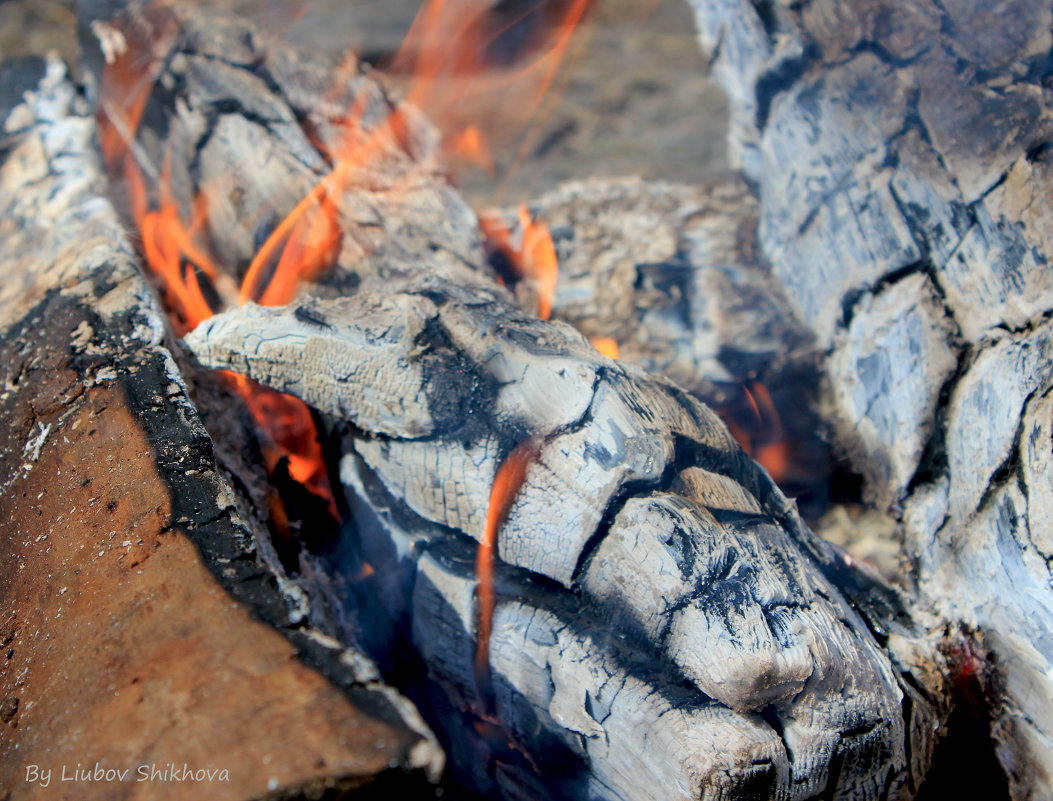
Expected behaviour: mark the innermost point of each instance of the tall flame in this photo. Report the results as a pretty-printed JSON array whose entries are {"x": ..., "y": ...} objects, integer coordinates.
[
  {"x": 174, "y": 255},
  {"x": 458, "y": 52}
]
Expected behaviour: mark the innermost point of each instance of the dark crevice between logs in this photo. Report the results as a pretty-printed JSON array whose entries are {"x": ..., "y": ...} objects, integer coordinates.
[
  {"x": 1009, "y": 469},
  {"x": 933, "y": 463},
  {"x": 965, "y": 763},
  {"x": 778, "y": 80},
  {"x": 851, "y": 300},
  {"x": 227, "y": 548},
  {"x": 876, "y": 49}
]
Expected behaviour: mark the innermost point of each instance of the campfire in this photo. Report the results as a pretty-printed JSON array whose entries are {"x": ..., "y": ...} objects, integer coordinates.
[{"x": 513, "y": 499}]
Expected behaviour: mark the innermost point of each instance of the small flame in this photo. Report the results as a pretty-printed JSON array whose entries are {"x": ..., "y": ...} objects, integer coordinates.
[
  {"x": 470, "y": 147},
  {"x": 304, "y": 244},
  {"x": 764, "y": 440},
  {"x": 288, "y": 424},
  {"x": 531, "y": 255},
  {"x": 507, "y": 482},
  {"x": 605, "y": 345}
]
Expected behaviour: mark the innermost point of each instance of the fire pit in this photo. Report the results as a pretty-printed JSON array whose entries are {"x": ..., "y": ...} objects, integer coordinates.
[{"x": 452, "y": 466}]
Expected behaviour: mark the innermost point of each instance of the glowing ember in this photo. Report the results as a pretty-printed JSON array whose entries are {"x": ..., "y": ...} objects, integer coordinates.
[{"x": 509, "y": 478}]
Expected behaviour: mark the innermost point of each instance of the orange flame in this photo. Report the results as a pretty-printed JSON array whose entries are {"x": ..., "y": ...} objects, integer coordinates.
[
  {"x": 179, "y": 263},
  {"x": 773, "y": 454},
  {"x": 450, "y": 54},
  {"x": 765, "y": 441},
  {"x": 605, "y": 345},
  {"x": 305, "y": 243},
  {"x": 458, "y": 51},
  {"x": 507, "y": 482},
  {"x": 532, "y": 257},
  {"x": 471, "y": 147}
]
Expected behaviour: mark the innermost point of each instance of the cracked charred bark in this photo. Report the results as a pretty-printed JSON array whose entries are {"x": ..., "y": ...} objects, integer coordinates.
[
  {"x": 901, "y": 151},
  {"x": 665, "y": 621}
]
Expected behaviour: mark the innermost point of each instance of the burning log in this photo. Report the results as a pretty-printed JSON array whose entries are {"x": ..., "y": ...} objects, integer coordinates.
[
  {"x": 902, "y": 157},
  {"x": 121, "y": 648},
  {"x": 651, "y": 619},
  {"x": 672, "y": 276},
  {"x": 638, "y": 507}
]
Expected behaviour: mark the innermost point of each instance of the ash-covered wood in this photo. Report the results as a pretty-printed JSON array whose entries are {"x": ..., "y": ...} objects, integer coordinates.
[
  {"x": 902, "y": 156},
  {"x": 664, "y": 625},
  {"x": 252, "y": 126},
  {"x": 643, "y": 550},
  {"x": 118, "y": 537},
  {"x": 673, "y": 274}
]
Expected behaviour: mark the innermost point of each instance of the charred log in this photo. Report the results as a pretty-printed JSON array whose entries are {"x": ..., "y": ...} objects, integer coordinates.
[
  {"x": 639, "y": 509},
  {"x": 674, "y": 276},
  {"x": 900, "y": 152}
]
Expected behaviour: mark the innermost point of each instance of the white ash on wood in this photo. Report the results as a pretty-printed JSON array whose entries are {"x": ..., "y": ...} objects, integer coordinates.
[
  {"x": 431, "y": 377},
  {"x": 673, "y": 274},
  {"x": 640, "y": 512},
  {"x": 901, "y": 152}
]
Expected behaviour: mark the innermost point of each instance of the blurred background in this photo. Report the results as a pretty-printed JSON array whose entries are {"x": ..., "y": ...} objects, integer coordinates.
[{"x": 634, "y": 97}]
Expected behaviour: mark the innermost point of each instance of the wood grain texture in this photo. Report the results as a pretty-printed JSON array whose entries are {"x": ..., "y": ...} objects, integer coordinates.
[
  {"x": 666, "y": 627},
  {"x": 673, "y": 274}
]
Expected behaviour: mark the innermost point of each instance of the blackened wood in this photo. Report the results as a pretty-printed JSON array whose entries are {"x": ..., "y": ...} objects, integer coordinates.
[{"x": 655, "y": 588}]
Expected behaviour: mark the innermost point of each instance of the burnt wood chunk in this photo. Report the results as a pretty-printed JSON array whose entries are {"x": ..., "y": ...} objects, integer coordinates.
[
  {"x": 650, "y": 574},
  {"x": 139, "y": 625},
  {"x": 902, "y": 157},
  {"x": 672, "y": 273},
  {"x": 674, "y": 276}
]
